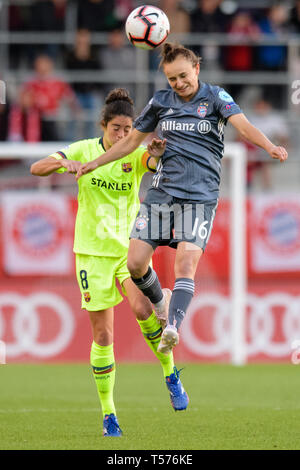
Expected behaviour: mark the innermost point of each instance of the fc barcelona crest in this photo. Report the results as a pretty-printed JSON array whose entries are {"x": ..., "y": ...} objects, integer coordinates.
[
  {"x": 87, "y": 296},
  {"x": 126, "y": 167}
]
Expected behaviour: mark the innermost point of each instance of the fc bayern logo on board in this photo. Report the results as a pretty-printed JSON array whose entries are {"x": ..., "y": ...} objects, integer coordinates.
[
  {"x": 37, "y": 230},
  {"x": 279, "y": 227}
]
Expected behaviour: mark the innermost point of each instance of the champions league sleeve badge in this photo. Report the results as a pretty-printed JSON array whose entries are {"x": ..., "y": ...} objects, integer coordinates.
[{"x": 225, "y": 96}]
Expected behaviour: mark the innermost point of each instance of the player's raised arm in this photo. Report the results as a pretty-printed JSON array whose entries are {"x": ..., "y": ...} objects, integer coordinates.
[
  {"x": 254, "y": 135},
  {"x": 119, "y": 150}
]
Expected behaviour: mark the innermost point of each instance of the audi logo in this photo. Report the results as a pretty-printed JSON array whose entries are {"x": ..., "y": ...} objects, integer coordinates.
[
  {"x": 267, "y": 332},
  {"x": 26, "y": 322}
]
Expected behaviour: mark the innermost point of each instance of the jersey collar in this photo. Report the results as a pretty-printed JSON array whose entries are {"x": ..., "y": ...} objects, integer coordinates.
[{"x": 101, "y": 143}]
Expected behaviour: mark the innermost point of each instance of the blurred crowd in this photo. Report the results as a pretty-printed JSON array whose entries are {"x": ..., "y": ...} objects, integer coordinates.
[{"x": 32, "y": 113}]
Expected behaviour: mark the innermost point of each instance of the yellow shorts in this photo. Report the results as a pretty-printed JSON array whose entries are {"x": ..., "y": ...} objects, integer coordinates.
[{"x": 96, "y": 276}]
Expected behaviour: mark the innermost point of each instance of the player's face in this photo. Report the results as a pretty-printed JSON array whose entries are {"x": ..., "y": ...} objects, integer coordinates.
[
  {"x": 182, "y": 76},
  {"x": 116, "y": 129}
]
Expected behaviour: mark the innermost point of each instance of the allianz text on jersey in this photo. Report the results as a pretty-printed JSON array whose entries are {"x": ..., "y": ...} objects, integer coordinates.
[{"x": 203, "y": 126}]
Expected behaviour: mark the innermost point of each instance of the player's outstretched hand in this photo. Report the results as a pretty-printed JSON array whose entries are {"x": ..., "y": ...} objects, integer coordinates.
[
  {"x": 278, "y": 153},
  {"x": 71, "y": 166},
  {"x": 157, "y": 147},
  {"x": 86, "y": 168}
]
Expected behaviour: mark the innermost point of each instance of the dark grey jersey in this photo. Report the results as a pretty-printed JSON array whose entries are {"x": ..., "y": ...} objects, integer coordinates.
[{"x": 191, "y": 165}]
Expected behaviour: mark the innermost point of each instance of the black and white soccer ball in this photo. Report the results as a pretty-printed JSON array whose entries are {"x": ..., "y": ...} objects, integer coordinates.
[{"x": 147, "y": 27}]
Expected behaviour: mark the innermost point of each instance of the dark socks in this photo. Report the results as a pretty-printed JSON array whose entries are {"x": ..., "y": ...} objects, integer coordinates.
[
  {"x": 181, "y": 297},
  {"x": 150, "y": 286}
]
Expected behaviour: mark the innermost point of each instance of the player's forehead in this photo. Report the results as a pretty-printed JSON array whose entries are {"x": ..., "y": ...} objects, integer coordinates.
[
  {"x": 121, "y": 120},
  {"x": 177, "y": 67}
]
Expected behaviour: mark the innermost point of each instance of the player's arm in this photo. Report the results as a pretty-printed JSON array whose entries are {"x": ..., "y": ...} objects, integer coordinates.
[
  {"x": 47, "y": 166},
  {"x": 119, "y": 150},
  {"x": 155, "y": 149},
  {"x": 256, "y": 137}
]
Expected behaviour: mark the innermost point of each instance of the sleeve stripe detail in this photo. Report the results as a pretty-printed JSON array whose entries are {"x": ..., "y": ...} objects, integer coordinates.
[
  {"x": 58, "y": 155},
  {"x": 61, "y": 154}
]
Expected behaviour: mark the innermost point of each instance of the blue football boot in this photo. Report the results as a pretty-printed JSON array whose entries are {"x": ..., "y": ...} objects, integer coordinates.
[
  {"x": 111, "y": 426},
  {"x": 179, "y": 397}
]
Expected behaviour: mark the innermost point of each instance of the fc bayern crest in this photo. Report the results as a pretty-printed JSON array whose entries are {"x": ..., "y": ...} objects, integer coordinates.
[
  {"x": 202, "y": 111},
  {"x": 141, "y": 222}
]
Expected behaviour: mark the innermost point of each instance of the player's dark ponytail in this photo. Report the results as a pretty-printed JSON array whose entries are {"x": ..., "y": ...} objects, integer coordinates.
[
  {"x": 117, "y": 103},
  {"x": 171, "y": 51}
]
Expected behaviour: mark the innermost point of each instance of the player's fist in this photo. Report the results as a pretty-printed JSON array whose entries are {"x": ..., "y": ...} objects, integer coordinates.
[
  {"x": 157, "y": 147},
  {"x": 278, "y": 153},
  {"x": 71, "y": 166},
  {"x": 86, "y": 168}
]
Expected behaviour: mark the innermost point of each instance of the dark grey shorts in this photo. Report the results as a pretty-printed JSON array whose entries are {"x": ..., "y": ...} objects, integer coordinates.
[{"x": 166, "y": 220}]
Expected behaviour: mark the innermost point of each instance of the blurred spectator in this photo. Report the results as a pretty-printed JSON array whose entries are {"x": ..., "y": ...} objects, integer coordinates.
[
  {"x": 97, "y": 15},
  {"x": 241, "y": 57},
  {"x": 122, "y": 9},
  {"x": 118, "y": 55},
  {"x": 4, "y": 112},
  {"x": 47, "y": 15},
  {"x": 24, "y": 120},
  {"x": 208, "y": 18},
  {"x": 273, "y": 125},
  {"x": 274, "y": 58},
  {"x": 273, "y": 25},
  {"x": 17, "y": 21},
  {"x": 48, "y": 92},
  {"x": 294, "y": 24},
  {"x": 82, "y": 58},
  {"x": 178, "y": 16}
]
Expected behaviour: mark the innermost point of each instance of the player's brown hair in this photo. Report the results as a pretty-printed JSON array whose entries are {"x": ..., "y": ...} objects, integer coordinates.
[
  {"x": 117, "y": 103},
  {"x": 170, "y": 51}
]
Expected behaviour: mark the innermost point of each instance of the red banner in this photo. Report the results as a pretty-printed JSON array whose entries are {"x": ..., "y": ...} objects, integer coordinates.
[
  {"x": 43, "y": 321},
  {"x": 41, "y": 318}
]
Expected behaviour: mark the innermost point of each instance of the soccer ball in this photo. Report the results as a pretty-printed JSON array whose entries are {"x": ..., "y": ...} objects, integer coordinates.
[{"x": 147, "y": 27}]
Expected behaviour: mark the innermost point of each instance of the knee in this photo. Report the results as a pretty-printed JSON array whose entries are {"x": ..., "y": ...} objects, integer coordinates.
[
  {"x": 142, "y": 309},
  {"x": 103, "y": 336},
  {"x": 135, "y": 268},
  {"x": 184, "y": 269}
]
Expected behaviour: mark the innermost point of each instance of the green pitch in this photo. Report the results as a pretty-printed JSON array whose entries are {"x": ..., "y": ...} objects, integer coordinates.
[{"x": 56, "y": 407}]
